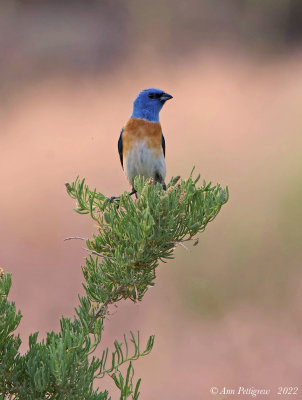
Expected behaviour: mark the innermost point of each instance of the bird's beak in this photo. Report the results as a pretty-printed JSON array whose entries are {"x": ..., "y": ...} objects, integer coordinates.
[{"x": 164, "y": 97}]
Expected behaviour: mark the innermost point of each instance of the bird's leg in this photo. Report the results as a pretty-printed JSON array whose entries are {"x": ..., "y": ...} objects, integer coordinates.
[
  {"x": 114, "y": 198},
  {"x": 133, "y": 191},
  {"x": 158, "y": 179},
  {"x": 117, "y": 198}
]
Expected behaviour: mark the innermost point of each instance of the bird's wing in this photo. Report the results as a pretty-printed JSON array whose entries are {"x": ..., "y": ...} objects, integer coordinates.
[
  {"x": 120, "y": 147},
  {"x": 163, "y": 144}
]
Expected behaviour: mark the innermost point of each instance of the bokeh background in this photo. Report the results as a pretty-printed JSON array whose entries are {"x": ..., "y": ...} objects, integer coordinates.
[{"x": 228, "y": 312}]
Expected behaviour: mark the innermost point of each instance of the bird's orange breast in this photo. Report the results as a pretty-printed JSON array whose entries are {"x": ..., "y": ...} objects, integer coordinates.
[{"x": 138, "y": 130}]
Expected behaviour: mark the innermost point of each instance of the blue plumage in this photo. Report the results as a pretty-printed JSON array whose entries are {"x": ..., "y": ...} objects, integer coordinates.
[{"x": 148, "y": 104}]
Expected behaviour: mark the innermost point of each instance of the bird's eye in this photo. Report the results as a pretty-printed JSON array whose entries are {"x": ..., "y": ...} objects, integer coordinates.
[{"x": 155, "y": 95}]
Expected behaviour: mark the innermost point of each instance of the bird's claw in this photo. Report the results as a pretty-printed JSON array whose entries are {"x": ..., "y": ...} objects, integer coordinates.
[{"x": 114, "y": 198}]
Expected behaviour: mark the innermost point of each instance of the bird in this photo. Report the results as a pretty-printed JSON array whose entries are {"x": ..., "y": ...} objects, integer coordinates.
[{"x": 141, "y": 143}]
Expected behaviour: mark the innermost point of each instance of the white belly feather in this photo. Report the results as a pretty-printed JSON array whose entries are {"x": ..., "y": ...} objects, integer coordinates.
[{"x": 140, "y": 160}]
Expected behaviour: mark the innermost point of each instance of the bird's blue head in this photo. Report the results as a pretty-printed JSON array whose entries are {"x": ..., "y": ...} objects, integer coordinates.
[{"x": 148, "y": 104}]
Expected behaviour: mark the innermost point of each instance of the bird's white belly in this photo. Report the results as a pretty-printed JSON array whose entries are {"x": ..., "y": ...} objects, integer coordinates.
[{"x": 140, "y": 160}]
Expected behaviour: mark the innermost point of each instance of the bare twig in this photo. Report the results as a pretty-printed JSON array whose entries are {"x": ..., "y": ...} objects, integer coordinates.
[
  {"x": 103, "y": 308},
  {"x": 180, "y": 242},
  {"x": 136, "y": 293},
  {"x": 75, "y": 237},
  {"x": 96, "y": 253},
  {"x": 182, "y": 245}
]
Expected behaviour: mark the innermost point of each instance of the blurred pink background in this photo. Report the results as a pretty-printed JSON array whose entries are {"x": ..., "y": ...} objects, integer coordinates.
[{"x": 227, "y": 313}]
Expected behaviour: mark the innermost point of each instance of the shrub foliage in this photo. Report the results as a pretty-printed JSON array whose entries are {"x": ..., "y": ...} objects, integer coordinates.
[{"x": 132, "y": 237}]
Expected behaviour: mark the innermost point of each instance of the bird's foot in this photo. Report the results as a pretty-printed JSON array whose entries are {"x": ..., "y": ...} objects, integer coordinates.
[
  {"x": 133, "y": 191},
  {"x": 117, "y": 198},
  {"x": 114, "y": 198}
]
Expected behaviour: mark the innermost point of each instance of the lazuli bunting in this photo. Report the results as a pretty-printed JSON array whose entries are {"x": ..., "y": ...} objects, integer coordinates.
[{"x": 141, "y": 144}]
